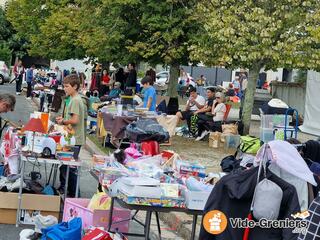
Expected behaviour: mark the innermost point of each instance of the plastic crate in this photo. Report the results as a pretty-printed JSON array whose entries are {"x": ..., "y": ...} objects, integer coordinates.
[
  {"x": 270, "y": 121},
  {"x": 77, "y": 207},
  {"x": 232, "y": 141},
  {"x": 266, "y": 134}
]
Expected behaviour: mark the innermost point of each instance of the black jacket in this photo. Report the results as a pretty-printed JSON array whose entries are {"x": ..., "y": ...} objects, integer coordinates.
[
  {"x": 233, "y": 195},
  {"x": 132, "y": 78}
]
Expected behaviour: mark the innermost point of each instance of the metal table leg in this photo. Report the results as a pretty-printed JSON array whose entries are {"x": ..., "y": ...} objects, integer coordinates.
[
  {"x": 147, "y": 225},
  {"x": 67, "y": 183},
  {"x": 110, "y": 214},
  {"x": 194, "y": 225},
  {"x": 78, "y": 181},
  {"x": 158, "y": 223},
  {"x": 20, "y": 193},
  {"x": 55, "y": 173}
]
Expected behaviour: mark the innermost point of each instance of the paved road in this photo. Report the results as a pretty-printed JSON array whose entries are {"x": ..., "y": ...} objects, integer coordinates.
[
  {"x": 88, "y": 185},
  {"x": 23, "y": 106}
]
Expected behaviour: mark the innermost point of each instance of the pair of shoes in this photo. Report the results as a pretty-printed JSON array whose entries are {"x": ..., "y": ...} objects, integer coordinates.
[
  {"x": 203, "y": 134},
  {"x": 28, "y": 97}
]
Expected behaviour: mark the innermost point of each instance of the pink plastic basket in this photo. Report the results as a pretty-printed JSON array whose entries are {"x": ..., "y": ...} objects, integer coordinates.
[{"x": 77, "y": 207}]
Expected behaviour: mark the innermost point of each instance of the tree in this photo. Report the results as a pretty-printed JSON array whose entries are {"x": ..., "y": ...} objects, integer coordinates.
[
  {"x": 5, "y": 53},
  {"x": 167, "y": 31},
  {"x": 11, "y": 43},
  {"x": 50, "y": 27},
  {"x": 255, "y": 35},
  {"x": 108, "y": 28}
]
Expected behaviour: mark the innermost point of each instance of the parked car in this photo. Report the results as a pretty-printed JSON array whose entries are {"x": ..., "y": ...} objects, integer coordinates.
[
  {"x": 4, "y": 73},
  {"x": 162, "y": 78}
]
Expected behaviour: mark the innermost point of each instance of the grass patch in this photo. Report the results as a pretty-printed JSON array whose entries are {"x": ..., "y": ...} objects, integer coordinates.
[{"x": 98, "y": 143}]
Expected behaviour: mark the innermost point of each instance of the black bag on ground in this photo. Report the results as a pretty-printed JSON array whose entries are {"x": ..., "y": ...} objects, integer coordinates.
[
  {"x": 229, "y": 163},
  {"x": 146, "y": 130}
]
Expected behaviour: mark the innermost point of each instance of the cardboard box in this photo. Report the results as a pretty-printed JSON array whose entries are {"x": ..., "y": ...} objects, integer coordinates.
[
  {"x": 32, "y": 205},
  {"x": 215, "y": 140}
]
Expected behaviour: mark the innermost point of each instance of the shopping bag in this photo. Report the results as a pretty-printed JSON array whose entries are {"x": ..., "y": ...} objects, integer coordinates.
[{"x": 64, "y": 231}]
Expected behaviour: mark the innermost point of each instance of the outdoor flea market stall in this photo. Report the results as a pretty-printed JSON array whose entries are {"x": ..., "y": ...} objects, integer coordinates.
[{"x": 267, "y": 178}]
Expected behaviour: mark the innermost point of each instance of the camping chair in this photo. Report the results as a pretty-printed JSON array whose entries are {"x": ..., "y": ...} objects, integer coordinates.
[{"x": 226, "y": 114}]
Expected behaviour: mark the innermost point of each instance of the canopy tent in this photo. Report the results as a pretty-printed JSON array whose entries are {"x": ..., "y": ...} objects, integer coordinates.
[{"x": 311, "y": 122}]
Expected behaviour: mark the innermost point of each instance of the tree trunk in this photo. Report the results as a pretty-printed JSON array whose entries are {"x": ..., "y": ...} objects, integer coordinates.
[
  {"x": 249, "y": 98},
  {"x": 173, "y": 80}
]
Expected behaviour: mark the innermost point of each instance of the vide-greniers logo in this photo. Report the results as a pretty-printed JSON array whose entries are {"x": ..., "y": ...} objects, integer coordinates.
[{"x": 215, "y": 222}]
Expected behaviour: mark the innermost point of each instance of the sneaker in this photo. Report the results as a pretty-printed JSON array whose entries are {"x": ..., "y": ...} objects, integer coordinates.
[
  {"x": 17, "y": 93},
  {"x": 28, "y": 97},
  {"x": 203, "y": 134}
]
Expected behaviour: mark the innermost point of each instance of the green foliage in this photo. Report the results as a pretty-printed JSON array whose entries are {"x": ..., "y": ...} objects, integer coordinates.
[
  {"x": 9, "y": 38},
  {"x": 5, "y": 53},
  {"x": 256, "y": 34},
  {"x": 273, "y": 33},
  {"x": 301, "y": 76}
]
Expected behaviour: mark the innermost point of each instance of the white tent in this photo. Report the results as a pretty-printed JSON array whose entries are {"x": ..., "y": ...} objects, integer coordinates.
[{"x": 311, "y": 123}]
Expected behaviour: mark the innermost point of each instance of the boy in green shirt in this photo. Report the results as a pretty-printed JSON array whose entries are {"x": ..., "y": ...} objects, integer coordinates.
[{"x": 74, "y": 116}]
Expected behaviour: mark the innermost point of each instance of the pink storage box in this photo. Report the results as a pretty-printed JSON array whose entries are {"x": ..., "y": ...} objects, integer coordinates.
[{"x": 77, "y": 207}]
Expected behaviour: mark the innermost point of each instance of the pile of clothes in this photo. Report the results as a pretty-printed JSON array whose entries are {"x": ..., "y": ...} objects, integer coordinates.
[{"x": 234, "y": 194}]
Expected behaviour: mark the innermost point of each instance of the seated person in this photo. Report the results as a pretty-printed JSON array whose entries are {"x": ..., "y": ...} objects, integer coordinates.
[
  {"x": 93, "y": 98},
  {"x": 218, "y": 111},
  {"x": 114, "y": 93},
  {"x": 149, "y": 95},
  {"x": 194, "y": 103},
  {"x": 205, "y": 112}
]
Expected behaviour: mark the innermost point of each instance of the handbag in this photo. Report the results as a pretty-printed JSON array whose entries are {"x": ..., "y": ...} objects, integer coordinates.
[{"x": 267, "y": 195}]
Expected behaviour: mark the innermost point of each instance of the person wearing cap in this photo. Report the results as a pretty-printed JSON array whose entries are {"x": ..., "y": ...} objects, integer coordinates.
[
  {"x": 218, "y": 111},
  {"x": 114, "y": 93},
  {"x": 195, "y": 103}
]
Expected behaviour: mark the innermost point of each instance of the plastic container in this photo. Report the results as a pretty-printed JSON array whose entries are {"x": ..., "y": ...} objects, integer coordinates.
[
  {"x": 77, "y": 207},
  {"x": 270, "y": 121},
  {"x": 266, "y": 134},
  {"x": 232, "y": 141}
]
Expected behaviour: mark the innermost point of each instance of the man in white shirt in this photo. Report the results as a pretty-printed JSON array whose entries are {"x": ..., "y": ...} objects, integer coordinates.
[{"x": 194, "y": 103}]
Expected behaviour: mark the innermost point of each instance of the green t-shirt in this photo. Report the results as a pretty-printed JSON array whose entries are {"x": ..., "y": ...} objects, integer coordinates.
[{"x": 76, "y": 106}]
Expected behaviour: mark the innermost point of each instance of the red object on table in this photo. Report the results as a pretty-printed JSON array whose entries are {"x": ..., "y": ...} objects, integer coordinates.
[
  {"x": 151, "y": 148},
  {"x": 97, "y": 234},
  {"x": 56, "y": 138},
  {"x": 34, "y": 125}
]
